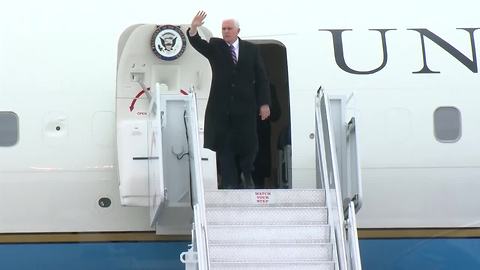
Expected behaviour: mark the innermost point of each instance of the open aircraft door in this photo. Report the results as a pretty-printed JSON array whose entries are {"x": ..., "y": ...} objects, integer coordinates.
[
  {"x": 160, "y": 81},
  {"x": 169, "y": 165}
]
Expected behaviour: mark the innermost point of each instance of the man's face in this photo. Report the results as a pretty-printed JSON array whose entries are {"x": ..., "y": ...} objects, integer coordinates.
[{"x": 229, "y": 31}]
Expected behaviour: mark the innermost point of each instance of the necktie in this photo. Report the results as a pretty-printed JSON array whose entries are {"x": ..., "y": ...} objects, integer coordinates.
[{"x": 234, "y": 54}]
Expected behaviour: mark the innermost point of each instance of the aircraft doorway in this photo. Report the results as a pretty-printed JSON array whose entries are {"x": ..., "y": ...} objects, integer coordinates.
[{"x": 273, "y": 162}]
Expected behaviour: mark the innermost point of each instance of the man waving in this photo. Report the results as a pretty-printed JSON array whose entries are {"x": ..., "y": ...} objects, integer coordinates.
[{"x": 239, "y": 91}]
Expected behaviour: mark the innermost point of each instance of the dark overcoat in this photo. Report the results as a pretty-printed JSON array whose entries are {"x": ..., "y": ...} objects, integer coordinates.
[{"x": 236, "y": 94}]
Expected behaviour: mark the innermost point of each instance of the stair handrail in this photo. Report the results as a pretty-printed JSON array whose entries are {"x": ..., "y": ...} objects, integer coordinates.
[
  {"x": 352, "y": 236},
  {"x": 353, "y": 164},
  {"x": 200, "y": 223},
  {"x": 347, "y": 150},
  {"x": 328, "y": 167}
]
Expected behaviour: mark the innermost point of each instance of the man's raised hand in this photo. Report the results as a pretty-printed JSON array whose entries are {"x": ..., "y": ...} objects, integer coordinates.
[{"x": 197, "y": 21}]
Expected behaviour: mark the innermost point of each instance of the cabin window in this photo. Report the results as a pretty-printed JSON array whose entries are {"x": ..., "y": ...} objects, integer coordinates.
[
  {"x": 8, "y": 128},
  {"x": 447, "y": 124}
]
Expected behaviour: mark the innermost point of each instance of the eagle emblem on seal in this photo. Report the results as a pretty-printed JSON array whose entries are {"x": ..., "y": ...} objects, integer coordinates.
[{"x": 168, "y": 42}]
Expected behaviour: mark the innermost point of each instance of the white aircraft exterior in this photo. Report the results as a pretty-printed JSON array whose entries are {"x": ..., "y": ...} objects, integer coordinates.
[{"x": 58, "y": 76}]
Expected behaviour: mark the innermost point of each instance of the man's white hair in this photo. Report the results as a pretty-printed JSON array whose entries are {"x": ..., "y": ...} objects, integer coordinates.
[{"x": 235, "y": 22}]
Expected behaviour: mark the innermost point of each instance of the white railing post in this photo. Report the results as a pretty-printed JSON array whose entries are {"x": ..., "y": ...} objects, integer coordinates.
[
  {"x": 343, "y": 225},
  {"x": 353, "y": 164},
  {"x": 327, "y": 156},
  {"x": 198, "y": 187},
  {"x": 353, "y": 238}
]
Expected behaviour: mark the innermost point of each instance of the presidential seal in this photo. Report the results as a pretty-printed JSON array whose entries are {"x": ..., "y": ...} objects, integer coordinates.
[{"x": 168, "y": 42}]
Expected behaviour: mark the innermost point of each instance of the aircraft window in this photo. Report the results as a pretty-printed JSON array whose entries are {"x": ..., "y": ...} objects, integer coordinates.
[
  {"x": 8, "y": 128},
  {"x": 447, "y": 124}
]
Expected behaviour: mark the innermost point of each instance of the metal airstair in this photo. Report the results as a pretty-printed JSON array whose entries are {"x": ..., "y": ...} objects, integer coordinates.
[
  {"x": 157, "y": 131},
  {"x": 267, "y": 229}
]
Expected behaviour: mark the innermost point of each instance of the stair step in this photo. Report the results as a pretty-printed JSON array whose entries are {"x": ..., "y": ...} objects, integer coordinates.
[
  {"x": 269, "y": 234},
  {"x": 295, "y": 265},
  {"x": 274, "y": 197},
  {"x": 232, "y": 253},
  {"x": 266, "y": 215}
]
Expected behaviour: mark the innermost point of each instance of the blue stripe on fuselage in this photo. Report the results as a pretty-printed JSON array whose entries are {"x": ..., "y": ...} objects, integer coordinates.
[{"x": 377, "y": 254}]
